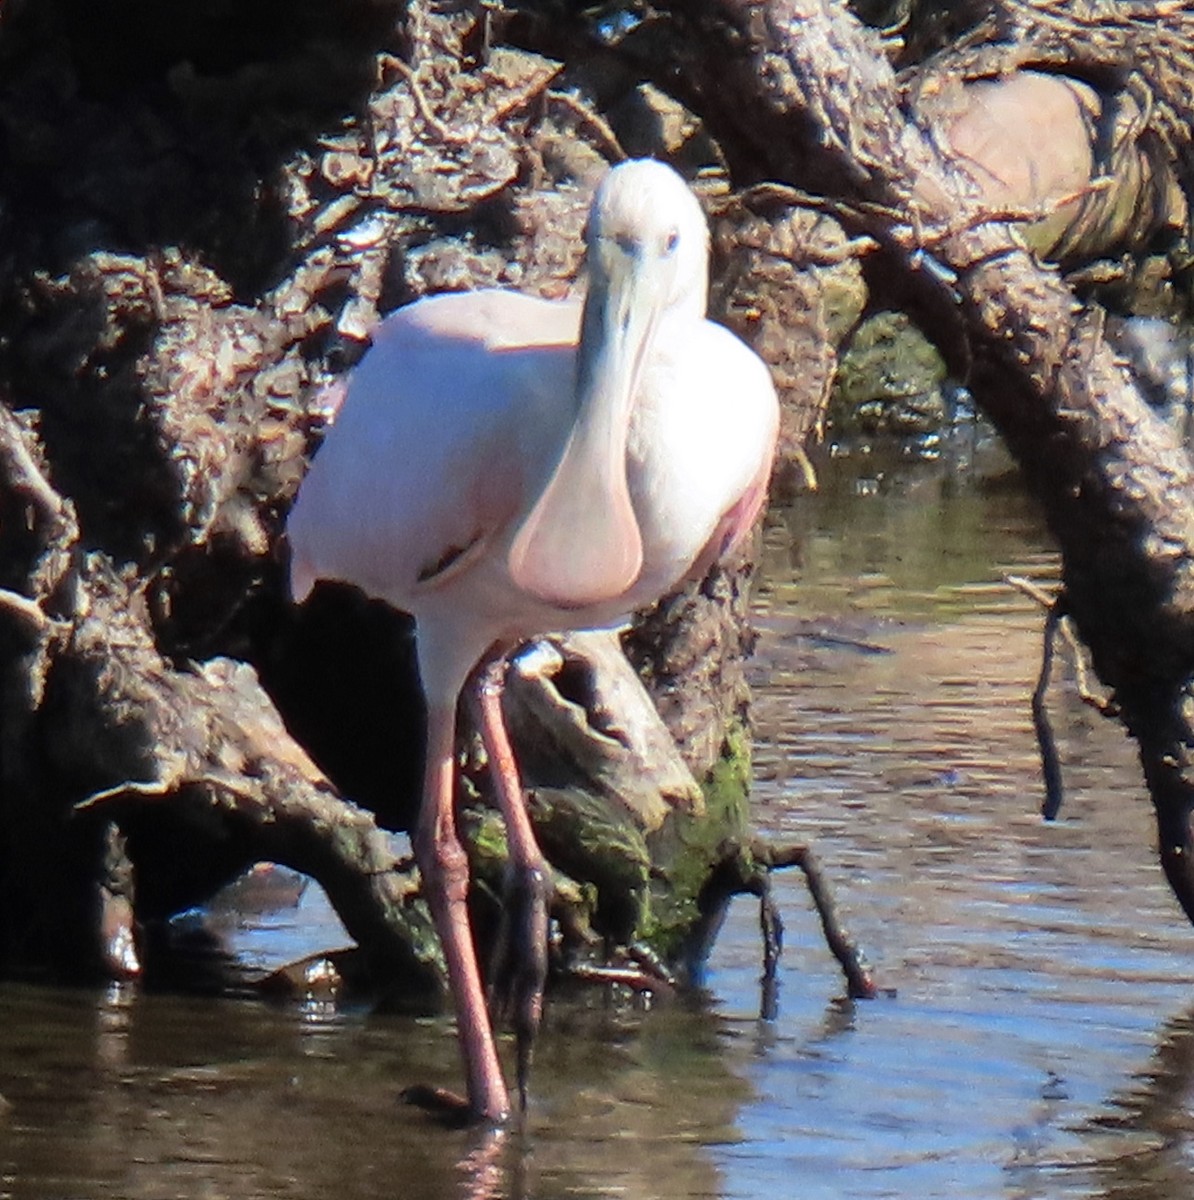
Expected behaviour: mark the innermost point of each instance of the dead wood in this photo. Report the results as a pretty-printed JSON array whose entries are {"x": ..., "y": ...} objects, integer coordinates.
[
  {"x": 214, "y": 247},
  {"x": 99, "y": 728},
  {"x": 198, "y": 233},
  {"x": 1113, "y": 479}
]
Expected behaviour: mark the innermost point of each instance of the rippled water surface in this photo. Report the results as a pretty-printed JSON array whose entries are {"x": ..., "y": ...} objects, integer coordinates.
[{"x": 1036, "y": 1038}]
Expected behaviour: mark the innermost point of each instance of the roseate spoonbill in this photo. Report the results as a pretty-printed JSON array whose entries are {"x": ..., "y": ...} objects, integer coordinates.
[{"x": 505, "y": 466}]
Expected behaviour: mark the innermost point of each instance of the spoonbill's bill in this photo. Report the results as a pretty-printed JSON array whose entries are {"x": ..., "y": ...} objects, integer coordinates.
[{"x": 505, "y": 466}]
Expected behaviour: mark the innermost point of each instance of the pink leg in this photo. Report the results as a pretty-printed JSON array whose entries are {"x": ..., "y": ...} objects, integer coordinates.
[
  {"x": 521, "y": 970},
  {"x": 444, "y": 867}
]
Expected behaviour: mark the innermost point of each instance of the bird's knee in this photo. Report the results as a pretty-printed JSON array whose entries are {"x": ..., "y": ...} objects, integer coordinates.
[{"x": 443, "y": 865}]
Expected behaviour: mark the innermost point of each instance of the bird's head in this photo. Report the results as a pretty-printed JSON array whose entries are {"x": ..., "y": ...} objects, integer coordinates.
[
  {"x": 648, "y": 242},
  {"x": 645, "y": 224}
]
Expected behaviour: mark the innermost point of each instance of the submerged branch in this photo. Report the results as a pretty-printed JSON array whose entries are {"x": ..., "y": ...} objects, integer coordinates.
[{"x": 844, "y": 948}]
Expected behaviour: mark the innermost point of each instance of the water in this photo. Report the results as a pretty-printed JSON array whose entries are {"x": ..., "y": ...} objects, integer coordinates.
[
  {"x": 1036, "y": 1039},
  {"x": 1042, "y": 969}
]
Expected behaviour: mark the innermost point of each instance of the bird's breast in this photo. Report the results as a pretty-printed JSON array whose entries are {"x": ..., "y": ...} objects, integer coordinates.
[{"x": 703, "y": 430}]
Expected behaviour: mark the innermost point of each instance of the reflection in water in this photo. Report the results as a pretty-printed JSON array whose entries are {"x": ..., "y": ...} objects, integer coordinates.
[
  {"x": 1151, "y": 1155},
  {"x": 152, "y": 1096},
  {"x": 1030, "y": 1049}
]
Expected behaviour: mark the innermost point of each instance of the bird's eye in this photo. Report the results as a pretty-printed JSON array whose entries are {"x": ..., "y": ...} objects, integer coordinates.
[{"x": 671, "y": 242}]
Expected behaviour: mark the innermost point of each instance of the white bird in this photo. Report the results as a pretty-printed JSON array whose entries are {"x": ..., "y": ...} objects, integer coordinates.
[{"x": 505, "y": 466}]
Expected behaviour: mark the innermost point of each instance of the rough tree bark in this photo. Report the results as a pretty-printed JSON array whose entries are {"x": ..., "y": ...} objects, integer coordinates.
[
  {"x": 803, "y": 93},
  {"x": 198, "y": 232},
  {"x": 202, "y": 220}
]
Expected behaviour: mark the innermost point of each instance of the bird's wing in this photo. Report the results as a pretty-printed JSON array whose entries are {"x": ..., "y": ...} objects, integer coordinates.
[
  {"x": 737, "y": 521},
  {"x": 496, "y": 319},
  {"x": 459, "y": 408}
]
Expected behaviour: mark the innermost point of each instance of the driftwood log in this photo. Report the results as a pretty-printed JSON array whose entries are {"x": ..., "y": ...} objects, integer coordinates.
[
  {"x": 203, "y": 218},
  {"x": 1114, "y": 480},
  {"x": 199, "y": 229},
  {"x": 804, "y": 95}
]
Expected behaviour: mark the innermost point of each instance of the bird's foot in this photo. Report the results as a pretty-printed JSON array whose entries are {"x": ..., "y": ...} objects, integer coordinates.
[
  {"x": 519, "y": 968},
  {"x": 446, "y": 1106}
]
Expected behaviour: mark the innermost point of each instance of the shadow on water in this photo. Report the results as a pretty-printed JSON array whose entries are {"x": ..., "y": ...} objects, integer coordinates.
[{"x": 1039, "y": 1044}]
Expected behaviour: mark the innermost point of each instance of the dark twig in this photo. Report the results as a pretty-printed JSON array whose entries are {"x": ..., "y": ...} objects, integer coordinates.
[
  {"x": 20, "y": 472},
  {"x": 27, "y": 611},
  {"x": 853, "y": 961},
  {"x": 1056, "y": 621},
  {"x": 592, "y": 122},
  {"x": 1046, "y": 744},
  {"x": 771, "y": 926}
]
